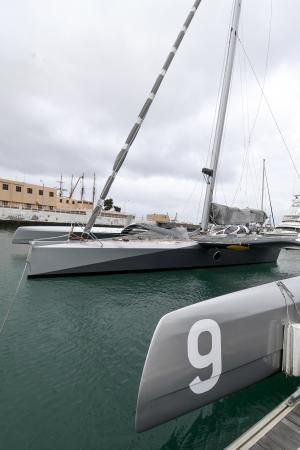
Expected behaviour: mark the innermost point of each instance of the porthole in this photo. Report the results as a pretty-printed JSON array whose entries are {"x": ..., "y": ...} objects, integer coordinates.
[{"x": 217, "y": 256}]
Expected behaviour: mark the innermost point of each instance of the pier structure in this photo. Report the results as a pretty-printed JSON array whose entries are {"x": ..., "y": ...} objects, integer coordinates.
[{"x": 278, "y": 430}]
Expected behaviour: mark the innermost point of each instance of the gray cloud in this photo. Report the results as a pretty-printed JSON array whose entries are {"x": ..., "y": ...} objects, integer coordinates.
[{"x": 74, "y": 76}]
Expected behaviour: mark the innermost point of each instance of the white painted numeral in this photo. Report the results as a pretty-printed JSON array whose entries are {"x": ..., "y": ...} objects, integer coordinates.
[{"x": 199, "y": 361}]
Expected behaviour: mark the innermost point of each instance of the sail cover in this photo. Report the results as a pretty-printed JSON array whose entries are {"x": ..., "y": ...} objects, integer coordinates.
[{"x": 225, "y": 215}]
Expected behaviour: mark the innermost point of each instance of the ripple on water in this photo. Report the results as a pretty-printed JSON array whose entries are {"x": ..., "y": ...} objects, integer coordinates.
[{"x": 73, "y": 350}]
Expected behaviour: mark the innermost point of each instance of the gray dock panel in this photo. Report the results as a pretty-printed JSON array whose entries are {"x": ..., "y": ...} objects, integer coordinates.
[{"x": 279, "y": 430}]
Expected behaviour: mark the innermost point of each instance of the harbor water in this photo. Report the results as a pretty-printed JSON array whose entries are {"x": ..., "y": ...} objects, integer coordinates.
[{"x": 72, "y": 353}]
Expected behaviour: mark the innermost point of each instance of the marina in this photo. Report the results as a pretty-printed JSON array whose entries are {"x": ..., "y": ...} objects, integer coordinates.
[
  {"x": 187, "y": 335},
  {"x": 291, "y": 220},
  {"x": 73, "y": 349},
  {"x": 279, "y": 429},
  {"x": 27, "y": 203},
  {"x": 156, "y": 250}
]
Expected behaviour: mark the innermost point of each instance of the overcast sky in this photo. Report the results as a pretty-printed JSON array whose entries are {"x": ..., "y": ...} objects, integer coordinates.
[{"x": 74, "y": 75}]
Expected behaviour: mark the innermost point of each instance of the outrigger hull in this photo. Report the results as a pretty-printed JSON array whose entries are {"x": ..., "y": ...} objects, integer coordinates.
[
  {"x": 26, "y": 234},
  {"x": 205, "y": 351},
  {"x": 116, "y": 256}
]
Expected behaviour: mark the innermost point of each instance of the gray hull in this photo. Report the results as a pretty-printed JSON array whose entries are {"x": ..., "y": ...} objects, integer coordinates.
[
  {"x": 205, "y": 351},
  {"x": 113, "y": 256}
]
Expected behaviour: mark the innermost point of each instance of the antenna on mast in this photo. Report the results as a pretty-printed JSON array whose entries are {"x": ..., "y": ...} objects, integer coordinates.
[{"x": 61, "y": 189}]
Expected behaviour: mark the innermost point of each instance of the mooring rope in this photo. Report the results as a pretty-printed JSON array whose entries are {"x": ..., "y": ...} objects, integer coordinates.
[
  {"x": 10, "y": 305},
  {"x": 286, "y": 292}
]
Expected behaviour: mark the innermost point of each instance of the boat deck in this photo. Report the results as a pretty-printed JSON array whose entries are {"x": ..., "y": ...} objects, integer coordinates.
[{"x": 280, "y": 429}]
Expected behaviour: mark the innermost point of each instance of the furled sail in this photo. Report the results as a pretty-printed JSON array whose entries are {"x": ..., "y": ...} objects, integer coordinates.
[{"x": 225, "y": 215}]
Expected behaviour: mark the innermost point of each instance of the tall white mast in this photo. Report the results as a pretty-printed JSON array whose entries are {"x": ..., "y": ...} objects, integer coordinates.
[{"x": 211, "y": 172}]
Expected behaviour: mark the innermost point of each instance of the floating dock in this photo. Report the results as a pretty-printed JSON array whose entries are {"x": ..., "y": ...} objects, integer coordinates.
[{"x": 278, "y": 430}]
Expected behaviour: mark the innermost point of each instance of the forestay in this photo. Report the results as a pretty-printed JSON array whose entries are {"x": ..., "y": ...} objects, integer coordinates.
[{"x": 141, "y": 117}]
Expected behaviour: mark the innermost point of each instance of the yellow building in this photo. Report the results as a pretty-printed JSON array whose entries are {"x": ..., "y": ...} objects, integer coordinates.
[
  {"x": 17, "y": 194},
  {"x": 158, "y": 217}
]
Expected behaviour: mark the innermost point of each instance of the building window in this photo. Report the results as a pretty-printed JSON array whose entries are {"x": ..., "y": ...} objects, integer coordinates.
[
  {"x": 18, "y": 189},
  {"x": 51, "y": 194},
  {"x": 5, "y": 187},
  {"x": 28, "y": 205},
  {"x": 5, "y": 203},
  {"x": 79, "y": 202},
  {"x": 60, "y": 200},
  {"x": 29, "y": 190},
  {"x": 41, "y": 192},
  {"x": 51, "y": 208},
  {"x": 73, "y": 202},
  {"x": 67, "y": 201}
]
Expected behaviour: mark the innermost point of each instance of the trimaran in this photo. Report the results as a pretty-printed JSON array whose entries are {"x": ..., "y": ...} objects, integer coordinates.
[{"x": 156, "y": 249}]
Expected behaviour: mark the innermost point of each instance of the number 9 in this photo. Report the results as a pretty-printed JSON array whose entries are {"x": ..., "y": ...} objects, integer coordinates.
[{"x": 199, "y": 361}]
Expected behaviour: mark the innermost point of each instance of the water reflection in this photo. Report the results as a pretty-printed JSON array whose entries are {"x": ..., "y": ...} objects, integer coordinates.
[
  {"x": 218, "y": 424},
  {"x": 73, "y": 351}
]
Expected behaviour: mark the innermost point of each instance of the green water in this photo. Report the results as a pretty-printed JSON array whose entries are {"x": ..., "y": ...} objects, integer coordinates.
[{"x": 72, "y": 353}]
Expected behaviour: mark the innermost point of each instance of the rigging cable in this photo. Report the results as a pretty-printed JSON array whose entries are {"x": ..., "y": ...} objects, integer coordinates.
[
  {"x": 250, "y": 132},
  {"x": 266, "y": 70},
  {"x": 261, "y": 97},
  {"x": 245, "y": 140},
  {"x": 140, "y": 119},
  {"x": 271, "y": 111},
  {"x": 286, "y": 292},
  {"x": 246, "y": 147},
  {"x": 218, "y": 182},
  {"x": 12, "y": 301}
]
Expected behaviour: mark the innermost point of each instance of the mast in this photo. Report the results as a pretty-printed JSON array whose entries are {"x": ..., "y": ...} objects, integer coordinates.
[
  {"x": 94, "y": 190},
  {"x": 141, "y": 117},
  {"x": 263, "y": 185},
  {"x": 60, "y": 183},
  {"x": 211, "y": 172},
  {"x": 71, "y": 187},
  {"x": 75, "y": 186},
  {"x": 82, "y": 187},
  {"x": 269, "y": 195}
]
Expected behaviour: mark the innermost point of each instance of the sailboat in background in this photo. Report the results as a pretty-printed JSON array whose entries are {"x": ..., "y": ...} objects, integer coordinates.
[
  {"x": 156, "y": 249},
  {"x": 290, "y": 223}
]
